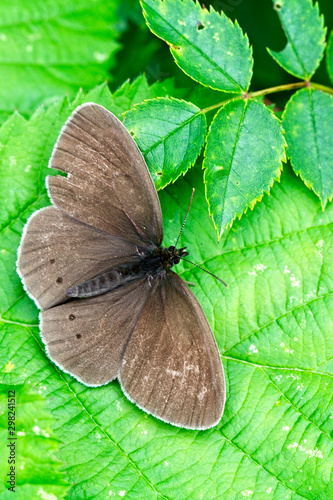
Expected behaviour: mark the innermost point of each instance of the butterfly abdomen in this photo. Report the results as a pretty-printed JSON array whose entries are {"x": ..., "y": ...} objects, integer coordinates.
[
  {"x": 111, "y": 280},
  {"x": 102, "y": 284}
]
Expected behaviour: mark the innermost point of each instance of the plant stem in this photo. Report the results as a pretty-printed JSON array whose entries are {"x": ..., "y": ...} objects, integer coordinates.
[
  {"x": 279, "y": 88},
  {"x": 318, "y": 86},
  {"x": 271, "y": 90}
]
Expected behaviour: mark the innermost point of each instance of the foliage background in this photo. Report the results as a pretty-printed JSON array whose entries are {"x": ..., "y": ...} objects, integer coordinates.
[{"x": 273, "y": 326}]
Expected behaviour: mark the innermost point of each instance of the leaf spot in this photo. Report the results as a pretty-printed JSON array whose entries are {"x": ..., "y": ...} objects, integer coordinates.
[
  {"x": 253, "y": 349},
  {"x": 294, "y": 282}
]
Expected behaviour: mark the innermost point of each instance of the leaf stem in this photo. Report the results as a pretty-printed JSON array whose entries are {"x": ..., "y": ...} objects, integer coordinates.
[{"x": 271, "y": 90}]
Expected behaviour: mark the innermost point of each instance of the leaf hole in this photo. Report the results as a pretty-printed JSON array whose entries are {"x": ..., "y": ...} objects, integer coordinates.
[
  {"x": 200, "y": 26},
  {"x": 159, "y": 174}
]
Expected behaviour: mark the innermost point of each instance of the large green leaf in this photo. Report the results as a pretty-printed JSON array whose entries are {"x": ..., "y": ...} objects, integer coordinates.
[
  {"x": 274, "y": 328},
  {"x": 36, "y": 468},
  {"x": 50, "y": 47},
  {"x": 206, "y": 45},
  {"x": 170, "y": 134},
  {"x": 305, "y": 32},
  {"x": 243, "y": 156},
  {"x": 308, "y": 123}
]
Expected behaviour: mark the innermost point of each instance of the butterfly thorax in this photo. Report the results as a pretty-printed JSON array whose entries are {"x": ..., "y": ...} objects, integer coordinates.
[{"x": 157, "y": 261}]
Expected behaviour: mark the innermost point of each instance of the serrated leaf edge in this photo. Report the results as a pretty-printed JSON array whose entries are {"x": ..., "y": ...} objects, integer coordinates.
[
  {"x": 308, "y": 183},
  {"x": 251, "y": 204},
  {"x": 221, "y": 14},
  {"x": 136, "y": 107},
  {"x": 274, "y": 53}
]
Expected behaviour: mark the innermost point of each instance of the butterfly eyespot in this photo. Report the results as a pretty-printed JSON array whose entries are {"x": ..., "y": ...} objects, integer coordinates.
[
  {"x": 71, "y": 317},
  {"x": 78, "y": 335},
  {"x": 59, "y": 280},
  {"x": 52, "y": 261}
]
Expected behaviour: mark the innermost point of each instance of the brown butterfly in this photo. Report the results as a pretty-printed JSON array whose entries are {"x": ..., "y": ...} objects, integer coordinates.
[{"x": 110, "y": 305}]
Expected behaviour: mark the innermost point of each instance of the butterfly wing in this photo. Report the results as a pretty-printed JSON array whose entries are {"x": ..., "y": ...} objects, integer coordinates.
[
  {"x": 87, "y": 338},
  {"x": 58, "y": 252},
  {"x": 108, "y": 184},
  {"x": 172, "y": 367}
]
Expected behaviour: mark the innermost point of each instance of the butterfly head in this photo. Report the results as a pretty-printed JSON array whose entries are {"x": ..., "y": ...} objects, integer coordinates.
[{"x": 175, "y": 254}]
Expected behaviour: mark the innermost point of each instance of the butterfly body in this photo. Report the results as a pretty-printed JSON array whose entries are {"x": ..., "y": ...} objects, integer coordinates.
[
  {"x": 156, "y": 262},
  {"x": 129, "y": 315}
]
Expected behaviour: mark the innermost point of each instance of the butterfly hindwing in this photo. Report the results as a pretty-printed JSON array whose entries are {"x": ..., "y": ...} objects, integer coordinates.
[
  {"x": 87, "y": 338},
  {"x": 172, "y": 367}
]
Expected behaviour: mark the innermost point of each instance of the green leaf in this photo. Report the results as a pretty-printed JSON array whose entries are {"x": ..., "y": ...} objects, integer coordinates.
[
  {"x": 308, "y": 124},
  {"x": 274, "y": 328},
  {"x": 243, "y": 156},
  {"x": 170, "y": 133},
  {"x": 305, "y": 32},
  {"x": 37, "y": 470},
  {"x": 329, "y": 57},
  {"x": 206, "y": 45},
  {"x": 48, "y": 48}
]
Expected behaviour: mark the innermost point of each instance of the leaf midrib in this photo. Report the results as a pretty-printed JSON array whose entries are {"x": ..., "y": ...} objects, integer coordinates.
[{"x": 170, "y": 134}]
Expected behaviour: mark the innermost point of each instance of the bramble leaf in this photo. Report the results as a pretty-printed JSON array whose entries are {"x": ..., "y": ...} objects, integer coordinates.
[
  {"x": 170, "y": 133},
  {"x": 205, "y": 44},
  {"x": 308, "y": 123},
  {"x": 243, "y": 156},
  {"x": 305, "y": 32}
]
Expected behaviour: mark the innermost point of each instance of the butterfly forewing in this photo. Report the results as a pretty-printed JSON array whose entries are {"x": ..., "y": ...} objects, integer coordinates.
[
  {"x": 109, "y": 185},
  {"x": 58, "y": 252},
  {"x": 172, "y": 367}
]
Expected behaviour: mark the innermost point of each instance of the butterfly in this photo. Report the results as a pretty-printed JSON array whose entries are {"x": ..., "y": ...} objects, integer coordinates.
[{"x": 111, "y": 307}]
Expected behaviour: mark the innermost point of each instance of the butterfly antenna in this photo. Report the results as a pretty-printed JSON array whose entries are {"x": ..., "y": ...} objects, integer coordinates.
[
  {"x": 189, "y": 206},
  {"x": 208, "y": 272}
]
